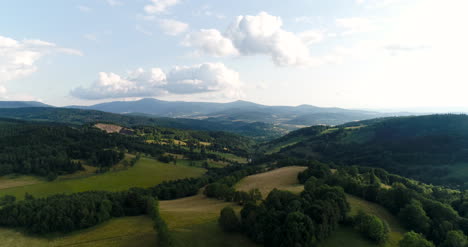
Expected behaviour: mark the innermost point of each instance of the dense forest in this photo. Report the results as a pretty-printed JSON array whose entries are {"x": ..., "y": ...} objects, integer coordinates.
[{"x": 423, "y": 147}]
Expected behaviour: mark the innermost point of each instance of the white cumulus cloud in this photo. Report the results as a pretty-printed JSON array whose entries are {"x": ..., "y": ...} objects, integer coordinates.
[
  {"x": 173, "y": 27},
  {"x": 211, "y": 42},
  {"x": 159, "y": 6},
  {"x": 18, "y": 58},
  {"x": 252, "y": 35},
  {"x": 181, "y": 80}
]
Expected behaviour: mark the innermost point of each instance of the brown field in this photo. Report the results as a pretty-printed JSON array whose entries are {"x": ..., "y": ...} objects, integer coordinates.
[
  {"x": 192, "y": 210},
  {"x": 283, "y": 179},
  {"x": 109, "y": 128}
]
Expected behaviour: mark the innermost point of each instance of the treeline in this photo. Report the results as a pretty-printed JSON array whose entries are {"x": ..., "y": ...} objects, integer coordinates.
[
  {"x": 223, "y": 189},
  {"x": 164, "y": 238},
  {"x": 423, "y": 209},
  {"x": 66, "y": 213},
  {"x": 286, "y": 219}
]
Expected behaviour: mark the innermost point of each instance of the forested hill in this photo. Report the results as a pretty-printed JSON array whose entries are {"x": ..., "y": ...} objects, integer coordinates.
[
  {"x": 257, "y": 130},
  {"x": 51, "y": 149},
  {"x": 431, "y": 148}
]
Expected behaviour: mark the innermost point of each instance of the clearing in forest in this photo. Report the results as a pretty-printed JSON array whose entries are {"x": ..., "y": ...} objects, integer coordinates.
[
  {"x": 396, "y": 230},
  {"x": 283, "y": 179}
]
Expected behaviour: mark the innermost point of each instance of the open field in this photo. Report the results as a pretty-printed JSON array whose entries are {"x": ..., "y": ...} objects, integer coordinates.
[
  {"x": 283, "y": 179},
  {"x": 193, "y": 222},
  {"x": 230, "y": 156},
  {"x": 209, "y": 235},
  {"x": 190, "y": 211},
  {"x": 146, "y": 173},
  {"x": 120, "y": 232},
  {"x": 11, "y": 181},
  {"x": 396, "y": 230}
]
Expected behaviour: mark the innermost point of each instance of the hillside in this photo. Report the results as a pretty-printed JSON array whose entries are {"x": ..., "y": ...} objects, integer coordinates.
[
  {"x": 429, "y": 148},
  {"x": 78, "y": 117}
]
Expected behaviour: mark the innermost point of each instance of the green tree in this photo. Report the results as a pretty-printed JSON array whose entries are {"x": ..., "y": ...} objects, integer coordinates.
[
  {"x": 414, "y": 217},
  {"x": 228, "y": 220},
  {"x": 255, "y": 195},
  {"x": 7, "y": 199},
  {"x": 455, "y": 239},
  {"x": 372, "y": 227},
  {"x": 412, "y": 239},
  {"x": 299, "y": 230}
]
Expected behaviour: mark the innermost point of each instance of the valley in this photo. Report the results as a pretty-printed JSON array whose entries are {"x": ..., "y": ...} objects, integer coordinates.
[{"x": 332, "y": 180}]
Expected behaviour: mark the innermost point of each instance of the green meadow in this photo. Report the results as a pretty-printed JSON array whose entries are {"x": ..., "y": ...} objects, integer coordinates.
[
  {"x": 396, "y": 230},
  {"x": 118, "y": 232},
  {"x": 146, "y": 173}
]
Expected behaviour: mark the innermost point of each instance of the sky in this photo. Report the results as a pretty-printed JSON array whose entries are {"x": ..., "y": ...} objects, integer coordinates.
[{"x": 367, "y": 54}]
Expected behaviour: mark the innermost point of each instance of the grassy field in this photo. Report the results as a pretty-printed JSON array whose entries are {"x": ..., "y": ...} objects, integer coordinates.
[
  {"x": 147, "y": 172},
  {"x": 283, "y": 179},
  {"x": 230, "y": 156},
  {"x": 396, "y": 230},
  {"x": 120, "y": 232},
  {"x": 193, "y": 222},
  {"x": 190, "y": 211},
  {"x": 209, "y": 235},
  {"x": 11, "y": 181}
]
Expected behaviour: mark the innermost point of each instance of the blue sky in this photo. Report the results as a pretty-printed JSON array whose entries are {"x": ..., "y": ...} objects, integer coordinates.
[{"x": 346, "y": 53}]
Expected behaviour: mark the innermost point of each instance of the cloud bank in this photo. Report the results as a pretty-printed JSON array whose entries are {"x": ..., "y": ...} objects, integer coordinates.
[
  {"x": 262, "y": 34},
  {"x": 207, "y": 78},
  {"x": 18, "y": 58}
]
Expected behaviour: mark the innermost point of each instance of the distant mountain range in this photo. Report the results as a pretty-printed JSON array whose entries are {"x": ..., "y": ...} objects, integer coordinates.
[
  {"x": 290, "y": 116},
  {"x": 287, "y": 117},
  {"x": 21, "y": 104}
]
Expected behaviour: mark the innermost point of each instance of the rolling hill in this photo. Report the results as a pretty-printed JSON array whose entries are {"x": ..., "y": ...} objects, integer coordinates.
[
  {"x": 431, "y": 148},
  {"x": 79, "y": 116}
]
